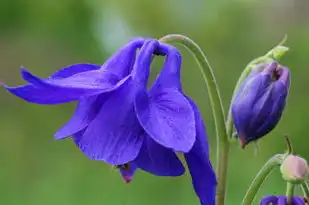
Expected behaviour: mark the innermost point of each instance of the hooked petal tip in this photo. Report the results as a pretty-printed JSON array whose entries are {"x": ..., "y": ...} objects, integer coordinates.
[
  {"x": 270, "y": 68},
  {"x": 243, "y": 142},
  {"x": 127, "y": 179}
]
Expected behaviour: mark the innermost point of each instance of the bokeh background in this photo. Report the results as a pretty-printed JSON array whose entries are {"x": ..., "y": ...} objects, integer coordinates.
[{"x": 44, "y": 36}]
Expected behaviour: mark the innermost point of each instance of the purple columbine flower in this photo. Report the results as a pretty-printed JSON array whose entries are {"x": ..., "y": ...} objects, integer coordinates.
[
  {"x": 115, "y": 113},
  {"x": 163, "y": 161},
  {"x": 119, "y": 121},
  {"x": 259, "y": 103},
  {"x": 281, "y": 200}
]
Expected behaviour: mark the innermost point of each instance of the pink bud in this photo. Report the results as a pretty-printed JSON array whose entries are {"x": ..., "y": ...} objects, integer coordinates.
[{"x": 294, "y": 168}]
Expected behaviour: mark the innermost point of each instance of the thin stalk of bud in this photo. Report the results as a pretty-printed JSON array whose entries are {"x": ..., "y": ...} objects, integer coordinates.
[
  {"x": 257, "y": 182},
  {"x": 289, "y": 192},
  {"x": 305, "y": 189}
]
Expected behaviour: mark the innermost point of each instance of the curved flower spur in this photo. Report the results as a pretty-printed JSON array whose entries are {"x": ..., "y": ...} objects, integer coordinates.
[
  {"x": 162, "y": 161},
  {"x": 260, "y": 101}
]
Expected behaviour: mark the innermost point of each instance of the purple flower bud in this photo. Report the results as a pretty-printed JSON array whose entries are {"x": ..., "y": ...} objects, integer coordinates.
[{"x": 260, "y": 101}]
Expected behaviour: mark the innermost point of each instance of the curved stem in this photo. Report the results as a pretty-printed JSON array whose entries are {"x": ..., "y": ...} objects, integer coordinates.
[
  {"x": 305, "y": 189},
  {"x": 260, "y": 178},
  {"x": 217, "y": 108},
  {"x": 289, "y": 192}
]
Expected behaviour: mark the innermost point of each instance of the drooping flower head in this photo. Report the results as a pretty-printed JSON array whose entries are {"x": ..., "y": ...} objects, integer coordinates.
[
  {"x": 281, "y": 200},
  {"x": 119, "y": 121},
  {"x": 260, "y": 101},
  {"x": 115, "y": 111}
]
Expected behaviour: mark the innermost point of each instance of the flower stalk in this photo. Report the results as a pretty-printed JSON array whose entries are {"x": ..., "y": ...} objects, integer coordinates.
[
  {"x": 305, "y": 189},
  {"x": 257, "y": 182},
  {"x": 289, "y": 192}
]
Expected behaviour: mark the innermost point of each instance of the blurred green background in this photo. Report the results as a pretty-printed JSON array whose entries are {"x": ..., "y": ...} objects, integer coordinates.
[{"x": 44, "y": 36}]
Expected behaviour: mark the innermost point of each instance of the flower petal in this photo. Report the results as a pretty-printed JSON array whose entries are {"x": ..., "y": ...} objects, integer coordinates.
[
  {"x": 282, "y": 200},
  {"x": 169, "y": 77},
  {"x": 74, "y": 69},
  {"x": 114, "y": 135},
  {"x": 277, "y": 100},
  {"x": 202, "y": 173},
  {"x": 245, "y": 100},
  {"x": 49, "y": 95},
  {"x": 80, "y": 80},
  {"x": 164, "y": 112},
  {"x": 298, "y": 201},
  {"x": 87, "y": 109},
  {"x": 158, "y": 160},
  {"x": 167, "y": 117}
]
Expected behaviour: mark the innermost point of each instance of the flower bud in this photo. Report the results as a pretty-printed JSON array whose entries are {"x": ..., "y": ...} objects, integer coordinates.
[
  {"x": 294, "y": 169},
  {"x": 260, "y": 101}
]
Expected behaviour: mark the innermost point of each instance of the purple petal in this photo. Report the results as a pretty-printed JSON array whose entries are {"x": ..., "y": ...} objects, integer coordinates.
[
  {"x": 245, "y": 99},
  {"x": 167, "y": 117},
  {"x": 141, "y": 67},
  {"x": 87, "y": 109},
  {"x": 169, "y": 77},
  {"x": 74, "y": 69},
  {"x": 282, "y": 200},
  {"x": 90, "y": 80},
  {"x": 158, "y": 160},
  {"x": 202, "y": 173},
  {"x": 114, "y": 135},
  {"x": 268, "y": 200},
  {"x": 298, "y": 201},
  {"x": 80, "y": 80},
  {"x": 277, "y": 100},
  {"x": 42, "y": 93}
]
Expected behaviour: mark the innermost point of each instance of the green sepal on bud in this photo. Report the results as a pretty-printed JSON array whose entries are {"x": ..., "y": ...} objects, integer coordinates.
[
  {"x": 294, "y": 169},
  {"x": 273, "y": 54},
  {"x": 277, "y": 52}
]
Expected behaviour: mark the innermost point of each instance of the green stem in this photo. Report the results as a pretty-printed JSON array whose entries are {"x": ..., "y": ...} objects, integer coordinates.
[
  {"x": 260, "y": 178},
  {"x": 289, "y": 192},
  {"x": 217, "y": 108},
  {"x": 305, "y": 189}
]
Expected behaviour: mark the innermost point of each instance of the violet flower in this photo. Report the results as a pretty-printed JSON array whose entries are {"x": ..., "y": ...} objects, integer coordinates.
[
  {"x": 281, "y": 200},
  {"x": 115, "y": 111},
  {"x": 119, "y": 121}
]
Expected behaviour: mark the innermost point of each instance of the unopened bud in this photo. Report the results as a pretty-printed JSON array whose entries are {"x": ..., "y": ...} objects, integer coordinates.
[{"x": 294, "y": 169}]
